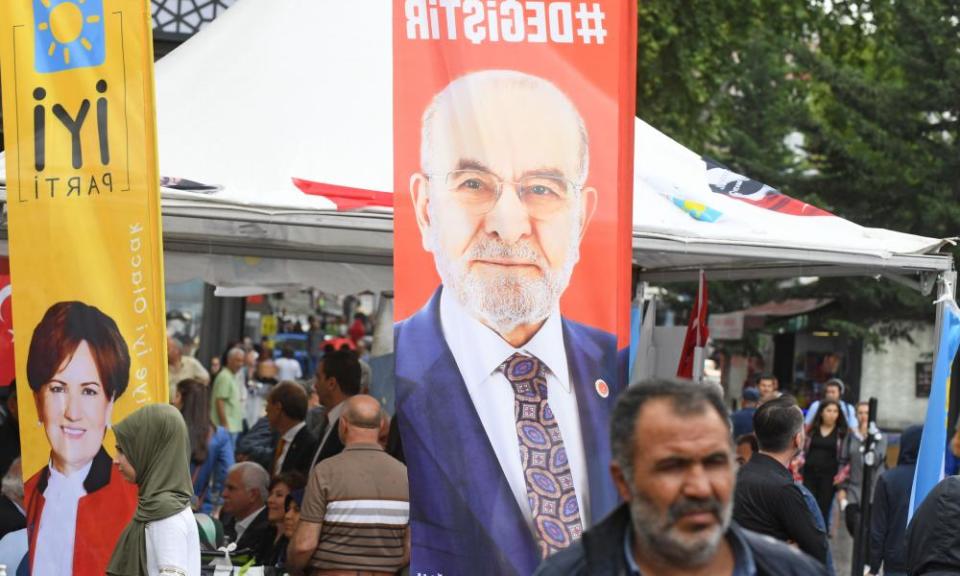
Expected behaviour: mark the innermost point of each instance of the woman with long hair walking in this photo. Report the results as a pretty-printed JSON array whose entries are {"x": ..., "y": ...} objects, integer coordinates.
[{"x": 821, "y": 470}]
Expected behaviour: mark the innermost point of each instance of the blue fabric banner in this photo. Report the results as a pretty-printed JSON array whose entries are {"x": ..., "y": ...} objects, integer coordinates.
[{"x": 932, "y": 447}]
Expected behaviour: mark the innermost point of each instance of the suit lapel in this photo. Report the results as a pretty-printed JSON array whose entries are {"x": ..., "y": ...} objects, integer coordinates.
[
  {"x": 456, "y": 441},
  {"x": 589, "y": 362}
]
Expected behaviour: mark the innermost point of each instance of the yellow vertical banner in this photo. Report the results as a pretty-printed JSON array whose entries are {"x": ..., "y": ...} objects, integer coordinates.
[{"x": 86, "y": 261}]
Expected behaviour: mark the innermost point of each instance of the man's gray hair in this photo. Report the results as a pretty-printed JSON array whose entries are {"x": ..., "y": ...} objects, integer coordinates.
[
  {"x": 253, "y": 476},
  {"x": 687, "y": 398},
  {"x": 12, "y": 484},
  {"x": 454, "y": 94}
]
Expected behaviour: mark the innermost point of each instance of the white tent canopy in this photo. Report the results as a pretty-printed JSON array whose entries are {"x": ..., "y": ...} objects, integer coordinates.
[{"x": 280, "y": 89}]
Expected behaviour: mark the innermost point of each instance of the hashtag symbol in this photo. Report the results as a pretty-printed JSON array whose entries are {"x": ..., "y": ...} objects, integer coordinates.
[{"x": 591, "y": 23}]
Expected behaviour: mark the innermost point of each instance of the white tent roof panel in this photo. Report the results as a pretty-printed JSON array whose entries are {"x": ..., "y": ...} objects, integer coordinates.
[{"x": 315, "y": 102}]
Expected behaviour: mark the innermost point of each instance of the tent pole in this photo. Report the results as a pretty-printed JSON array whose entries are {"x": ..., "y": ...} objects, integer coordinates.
[{"x": 946, "y": 289}]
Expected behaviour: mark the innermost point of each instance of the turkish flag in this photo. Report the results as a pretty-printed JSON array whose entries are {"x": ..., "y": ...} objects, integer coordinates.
[
  {"x": 7, "y": 371},
  {"x": 697, "y": 334},
  {"x": 344, "y": 197}
]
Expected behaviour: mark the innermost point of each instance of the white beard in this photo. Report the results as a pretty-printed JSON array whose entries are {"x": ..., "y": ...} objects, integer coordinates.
[{"x": 509, "y": 300}]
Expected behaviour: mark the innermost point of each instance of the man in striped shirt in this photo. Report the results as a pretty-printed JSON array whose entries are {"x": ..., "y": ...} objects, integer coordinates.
[{"x": 356, "y": 513}]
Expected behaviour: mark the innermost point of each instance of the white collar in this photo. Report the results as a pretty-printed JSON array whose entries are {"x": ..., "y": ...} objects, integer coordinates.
[
  {"x": 63, "y": 484},
  {"x": 292, "y": 433},
  {"x": 479, "y": 351},
  {"x": 242, "y": 525},
  {"x": 334, "y": 413}
]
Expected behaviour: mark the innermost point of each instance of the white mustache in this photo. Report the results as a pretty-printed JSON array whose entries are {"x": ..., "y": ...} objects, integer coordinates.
[{"x": 521, "y": 252}]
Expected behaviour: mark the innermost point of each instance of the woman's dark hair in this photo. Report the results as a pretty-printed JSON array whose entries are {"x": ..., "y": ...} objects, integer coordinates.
[
  {"x": 293, "y": 479},
  {"x": 195, "y": 407},
  {"x": 841, "y": 417},
  {"x": 56, "y": 338},
  {"x": 294, "y": 498}
]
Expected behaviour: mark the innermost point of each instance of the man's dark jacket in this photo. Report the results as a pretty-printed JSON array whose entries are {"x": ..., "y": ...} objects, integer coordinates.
[
  {"x": 933, "y": 537},
  {"x": 11, "y": 518},
  {"x": 601, "y": 553},
  {"x": 258, "y": 444},
  {"x": 333, "y": 444},
  {"x": 300, "y": 454},
  {"x": 768, "y": 501},
  {"x": 891, "y": 500},
  {"x": 9, "y": 444},
  {"x": 257, "y": 538}
]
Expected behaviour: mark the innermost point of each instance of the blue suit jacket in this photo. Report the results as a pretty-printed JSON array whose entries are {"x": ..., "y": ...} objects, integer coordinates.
[{"x": 464, "y": 517}]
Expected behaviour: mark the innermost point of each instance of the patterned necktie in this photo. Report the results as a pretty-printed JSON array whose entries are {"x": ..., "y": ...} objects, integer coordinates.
[{"x": 550, "y": 490}]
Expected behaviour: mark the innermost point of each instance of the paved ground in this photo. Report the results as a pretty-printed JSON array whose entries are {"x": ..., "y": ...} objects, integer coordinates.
[{"x": 842, "y": 547}]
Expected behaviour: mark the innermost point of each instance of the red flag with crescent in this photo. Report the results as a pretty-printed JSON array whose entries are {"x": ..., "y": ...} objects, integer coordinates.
[{"x": 697, "y": 332}]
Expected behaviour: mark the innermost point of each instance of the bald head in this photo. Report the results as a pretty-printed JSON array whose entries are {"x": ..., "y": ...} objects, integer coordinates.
[
  {"x": 363, "y": 411},
  {"x": 517, "y": 115},
  {"x": 501, "y": 200},
  {"x": 362, "y": 420}
]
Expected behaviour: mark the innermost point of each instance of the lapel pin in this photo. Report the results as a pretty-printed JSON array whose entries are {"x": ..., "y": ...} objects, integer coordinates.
[{"x": 602, "y": 389}]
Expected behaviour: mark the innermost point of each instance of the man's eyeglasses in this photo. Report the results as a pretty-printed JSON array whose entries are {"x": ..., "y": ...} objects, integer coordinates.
[{"x": 478, "y": 192}]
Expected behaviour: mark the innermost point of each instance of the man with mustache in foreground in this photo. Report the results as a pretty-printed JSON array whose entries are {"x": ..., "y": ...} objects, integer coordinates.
[
  {"x": 502, "y": 403},
  {"x": 673, "y": 464}
]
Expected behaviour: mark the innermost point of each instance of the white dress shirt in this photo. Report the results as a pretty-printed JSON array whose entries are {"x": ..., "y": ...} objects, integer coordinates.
[
  {"x": 287, "y": 440},
  {"x": 173, "y": 546},
  {"x": 242, "y": 525},
  {"x": 288, "y": 369},
  {"x": 479, "y": 352},
  {"x": 58, "y": 522}
]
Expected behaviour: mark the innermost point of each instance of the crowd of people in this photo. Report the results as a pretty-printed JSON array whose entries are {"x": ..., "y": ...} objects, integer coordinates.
[
  {"x": 312, "y": 480},
  {"x": 819, "y": 471},
  {"x": 258, "y": 476}
]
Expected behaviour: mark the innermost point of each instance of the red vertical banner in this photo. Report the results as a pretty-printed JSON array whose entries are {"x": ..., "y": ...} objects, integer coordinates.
[{"x": 513, "y": 147}]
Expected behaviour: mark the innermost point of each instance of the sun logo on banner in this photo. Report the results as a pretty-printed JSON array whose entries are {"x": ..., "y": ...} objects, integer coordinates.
[{"x": 69, "y": 34}]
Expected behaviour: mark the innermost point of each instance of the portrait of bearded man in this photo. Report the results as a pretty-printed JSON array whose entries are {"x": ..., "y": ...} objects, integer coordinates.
[{"x": 503, "y": 403}]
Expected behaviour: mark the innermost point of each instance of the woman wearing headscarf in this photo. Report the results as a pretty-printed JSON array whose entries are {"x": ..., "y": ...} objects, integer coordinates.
[
  {"x": 153, "y": 450},
  {"x": 78, "y": 365}
]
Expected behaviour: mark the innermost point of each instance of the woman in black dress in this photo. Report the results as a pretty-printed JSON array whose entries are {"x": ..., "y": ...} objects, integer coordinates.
[{"x": 822, "y": 455}]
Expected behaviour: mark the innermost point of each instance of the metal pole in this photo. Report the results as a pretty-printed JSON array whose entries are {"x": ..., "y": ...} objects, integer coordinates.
[{"x": 871, "y": 460}]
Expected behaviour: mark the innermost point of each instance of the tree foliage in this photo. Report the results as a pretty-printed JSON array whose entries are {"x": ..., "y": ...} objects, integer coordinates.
[{"x": 866, "y": 92}]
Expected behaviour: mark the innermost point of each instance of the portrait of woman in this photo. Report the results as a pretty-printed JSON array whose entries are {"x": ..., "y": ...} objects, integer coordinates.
[{"x": 77, "y": 366}]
